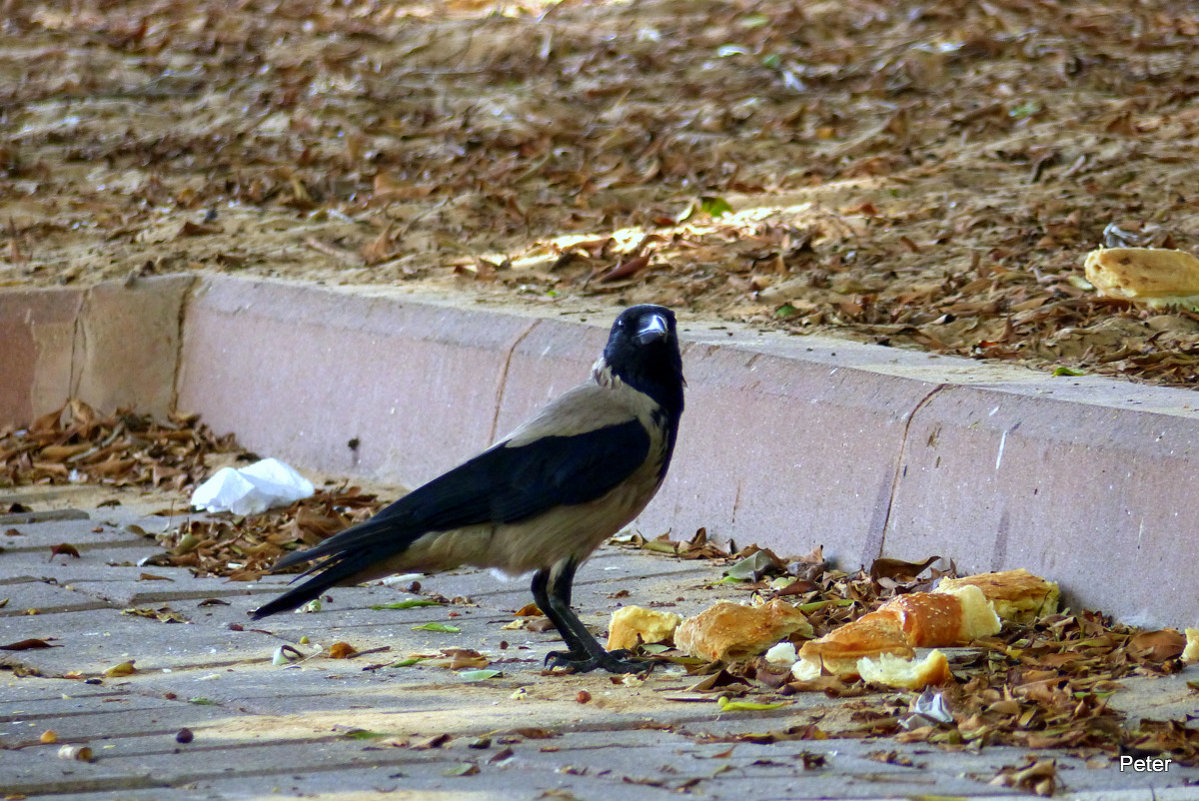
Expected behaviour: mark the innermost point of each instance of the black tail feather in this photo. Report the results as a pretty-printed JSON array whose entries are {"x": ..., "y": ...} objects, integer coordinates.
[{"x": 333, "y": 571}]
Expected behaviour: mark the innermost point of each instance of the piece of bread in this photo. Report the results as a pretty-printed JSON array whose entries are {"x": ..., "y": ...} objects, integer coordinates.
[
  {"x": 918, "y": 619},
  {"x": 804, "y": 670},
  {"x": 927, "y": 619},
  {"x": 1155, "y": 275},
  {"x": 939, "y": 619},
  {"x": 911, "y": 674},
  {"x": 728, "y": 631},
  {"x": 1191, "y": 652},
  {"x": 1017, "y": 594},
  {"x": 979, "y": 618},
  {"x": 872, "y": 634},
  {"x": 632, "y": 625}
]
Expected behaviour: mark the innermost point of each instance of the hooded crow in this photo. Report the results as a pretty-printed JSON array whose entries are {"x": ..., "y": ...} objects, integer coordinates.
[{"x": 540, "y": 500}]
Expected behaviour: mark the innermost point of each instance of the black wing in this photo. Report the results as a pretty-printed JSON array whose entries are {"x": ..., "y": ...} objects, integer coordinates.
[{"x": 501, "y": 485}]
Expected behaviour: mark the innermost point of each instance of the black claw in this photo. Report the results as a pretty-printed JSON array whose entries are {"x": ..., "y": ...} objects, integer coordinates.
[
  {"x": 620, "y": 661},
  {"x": 562, "y": 658}
]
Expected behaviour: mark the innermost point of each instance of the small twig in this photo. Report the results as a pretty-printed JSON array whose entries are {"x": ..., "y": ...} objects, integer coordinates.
[{"x": 332, "y": 250}]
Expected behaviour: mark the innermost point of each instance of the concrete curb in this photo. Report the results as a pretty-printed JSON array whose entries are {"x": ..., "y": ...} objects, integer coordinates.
[{"x": 789, "y": 442}]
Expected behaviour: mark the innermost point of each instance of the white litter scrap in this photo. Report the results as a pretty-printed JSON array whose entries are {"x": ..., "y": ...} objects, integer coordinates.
[
  {"x": 929, "y": 708},
  {"x": 253, "y": 489}
]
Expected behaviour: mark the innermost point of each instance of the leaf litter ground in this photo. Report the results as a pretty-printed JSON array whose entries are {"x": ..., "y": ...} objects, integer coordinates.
[{"x": 911, "y": 174}]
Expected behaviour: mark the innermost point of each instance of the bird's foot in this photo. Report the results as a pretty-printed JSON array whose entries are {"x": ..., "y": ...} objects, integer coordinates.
[{"x": 620, "y": 661}]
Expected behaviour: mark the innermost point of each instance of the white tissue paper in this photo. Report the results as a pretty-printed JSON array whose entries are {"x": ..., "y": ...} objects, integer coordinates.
[{"x": 253, "y": 489}]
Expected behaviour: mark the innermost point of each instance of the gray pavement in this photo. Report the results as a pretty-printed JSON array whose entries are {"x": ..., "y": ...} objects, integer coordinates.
[{"x": 363, "y": 727}]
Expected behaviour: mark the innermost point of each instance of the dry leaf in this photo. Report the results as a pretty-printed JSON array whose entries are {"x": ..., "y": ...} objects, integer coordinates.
[
  {"x": 64, "y": 549},
  {"x": 122, "y": 669},
  {"x": 529, "y": 610},
  {"x": 627, "y": 268},
  {"x": 898, "y": 569},
  {"x": 25, "y": 645},
  {"x": 1157, "y": 646},
  {"x": 1039, "y": 777},
  {"x": 341, "y": 650},
  {"x": 436, "y": 741}
]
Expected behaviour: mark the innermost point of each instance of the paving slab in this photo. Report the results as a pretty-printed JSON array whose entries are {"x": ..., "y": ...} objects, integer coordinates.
[
  {"x": 423, "y": 782},
  {"x": 112, "y": 716},
  {"x": 96, "y": 639},
  {"x": 14, "y": 691},
  {"x": 94, "y": 538},
  {"x": 28, "y": 595},
  {"x": 151, "y": 585},
  {"x": 261, "y": 728}
]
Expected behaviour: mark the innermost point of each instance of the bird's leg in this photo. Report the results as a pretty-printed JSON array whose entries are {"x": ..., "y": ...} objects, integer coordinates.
[
  {"x": 551, "y": 591},
  {"x": 540, "y": 589}
]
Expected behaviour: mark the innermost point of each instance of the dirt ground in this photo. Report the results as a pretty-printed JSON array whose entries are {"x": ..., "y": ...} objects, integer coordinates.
[{"x": 908, "y": 173}]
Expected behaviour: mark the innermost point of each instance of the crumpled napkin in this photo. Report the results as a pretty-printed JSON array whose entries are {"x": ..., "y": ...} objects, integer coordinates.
[{"x": 253, "y": 489}]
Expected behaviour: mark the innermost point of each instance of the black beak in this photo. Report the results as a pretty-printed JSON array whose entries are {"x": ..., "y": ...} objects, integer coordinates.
[{"x": 653, "y": 328}]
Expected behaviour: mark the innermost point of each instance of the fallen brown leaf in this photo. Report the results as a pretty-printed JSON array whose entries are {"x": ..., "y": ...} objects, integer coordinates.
[
  {"x": 1040, "y": 777},
  {"x": 64, "y": 549},
  {"x": 341, "y": 650},
  {"x": 627, "y": 268},
  {"x": 1157, "y": 646},
  {"x": 25, "y": 645}
]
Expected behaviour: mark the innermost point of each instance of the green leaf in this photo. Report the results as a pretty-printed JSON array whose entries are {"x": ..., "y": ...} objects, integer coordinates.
[
  {"x": 745, "y": 706},
  {"x": 753, "y": 21},
  {"x": 812, "y": 606},
  {"x": 479, "y": 675},
  {"x": 409, "y": 604},
  {"x": 1026, "y": 109},
  {"x": 654, "y": 647},
  {"x": 785, "y": 311},
  {"x": 1067, "y": 371},
  {"x": 363, "y": 734},
  {"x": 714, "y": 206},
  {"x": 437, "y": 627},
  {"x": 200, "y": 700},
  {"x": 409, "y": 662},
  {"x": 772, "y": 61}
]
